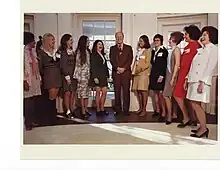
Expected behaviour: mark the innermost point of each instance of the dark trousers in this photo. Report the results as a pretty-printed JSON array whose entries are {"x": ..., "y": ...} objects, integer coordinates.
[
  {"x": 122, "y": 85},
  {"x": 29, "y": 108}
]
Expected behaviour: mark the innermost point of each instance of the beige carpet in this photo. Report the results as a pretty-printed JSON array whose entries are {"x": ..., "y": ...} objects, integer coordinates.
[{"x": 118, "y": 133}]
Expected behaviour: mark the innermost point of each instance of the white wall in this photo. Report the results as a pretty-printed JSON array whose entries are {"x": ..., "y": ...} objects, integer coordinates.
[
  {"x": 213, "y": 19},
  {"x": 57, "y": 24},
  {"x": 65, "y": 24},
  {"x": 45, "y": 23},
  {"x": 135, "y": 25}
]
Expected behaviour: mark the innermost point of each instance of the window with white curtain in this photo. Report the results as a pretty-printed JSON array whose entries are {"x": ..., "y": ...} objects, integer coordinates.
[{"x": 101, "y": 30}]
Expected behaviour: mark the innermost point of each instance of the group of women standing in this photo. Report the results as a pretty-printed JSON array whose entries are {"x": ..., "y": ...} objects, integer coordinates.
[
  {"x": 65, "y": 72},
  {"x": 175, "y": 77}
]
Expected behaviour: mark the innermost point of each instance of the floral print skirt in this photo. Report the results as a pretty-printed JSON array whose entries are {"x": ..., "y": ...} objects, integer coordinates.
[{"x": 83, "y": 89}]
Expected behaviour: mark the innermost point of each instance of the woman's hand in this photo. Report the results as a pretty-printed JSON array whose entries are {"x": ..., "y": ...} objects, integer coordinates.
[
  {"x": 26, "y": 86},
  {"x": 172, "y": 83},
  {"x": 96, "y": 81},
  {"x": 68, "y": 82},
  {"x": 160, "y": 79},
  {"x": 120, "y": 70},
  {"x": 200, "y": 87},
  {"x": 185, "y": 85}
]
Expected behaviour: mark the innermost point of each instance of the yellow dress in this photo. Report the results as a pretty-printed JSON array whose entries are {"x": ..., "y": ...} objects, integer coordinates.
[{"x": 141, "y": 70}]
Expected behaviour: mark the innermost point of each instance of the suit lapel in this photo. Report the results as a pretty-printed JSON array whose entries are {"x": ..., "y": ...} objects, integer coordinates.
[
  {"x": 101, "y": 59},
  {"x": 116, "y": 54},
  {"x": 156, "y": 54}
]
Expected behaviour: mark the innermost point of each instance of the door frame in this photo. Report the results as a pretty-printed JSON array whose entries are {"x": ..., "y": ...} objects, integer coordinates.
[
  {"x": 79, "y": 17},
  {"x": 179, "y": 21},
  {"x": 29, "y": 19}
]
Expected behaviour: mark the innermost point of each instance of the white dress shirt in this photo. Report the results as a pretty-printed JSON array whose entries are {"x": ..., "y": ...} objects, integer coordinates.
[{"x": 204, "y": 64}]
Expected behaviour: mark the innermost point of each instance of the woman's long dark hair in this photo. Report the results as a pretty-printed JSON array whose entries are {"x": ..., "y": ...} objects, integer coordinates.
[
  {"x": 82, "y": 48},
  {"x": 94, "y": 48},
  {"x": 63, "y": 42},
  {"x": 146, "y": 41}
]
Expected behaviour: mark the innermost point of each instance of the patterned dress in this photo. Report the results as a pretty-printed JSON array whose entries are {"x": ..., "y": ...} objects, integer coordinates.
[
  {"x": 33, "y": 79},
  {"x": 82, "y": 75}
]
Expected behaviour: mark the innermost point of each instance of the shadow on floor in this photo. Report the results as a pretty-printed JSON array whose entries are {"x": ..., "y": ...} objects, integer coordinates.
[{"x": 111, "y": 118}]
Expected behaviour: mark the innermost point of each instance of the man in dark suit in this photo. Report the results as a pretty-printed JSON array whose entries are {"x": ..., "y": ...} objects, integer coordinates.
[{"x": 121, "y": 57}]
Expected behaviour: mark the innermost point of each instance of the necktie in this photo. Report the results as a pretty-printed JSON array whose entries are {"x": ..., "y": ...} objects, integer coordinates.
[{"x": 120, "y": 49}]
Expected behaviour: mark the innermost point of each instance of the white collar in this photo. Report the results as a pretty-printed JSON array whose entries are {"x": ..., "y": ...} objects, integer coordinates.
[
  {"x": 209, "y": 45},
  {"x": 121, "y": 45},
  {"x": 69, "y": 52},
  {"x": 54, "y": 55},
  {"x": 50, "y": 54},
  {"x": 141, "y": 49},
  {"x": 159, "y": 48}
]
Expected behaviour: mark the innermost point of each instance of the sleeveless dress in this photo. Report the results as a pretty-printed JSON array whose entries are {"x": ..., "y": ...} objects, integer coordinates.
[
  {"x": 186, "y": 59},
  {"x": 168, "y": 89}
]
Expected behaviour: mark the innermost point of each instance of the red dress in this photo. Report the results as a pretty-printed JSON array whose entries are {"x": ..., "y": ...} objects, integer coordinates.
[{"x": 186, "y": 59}]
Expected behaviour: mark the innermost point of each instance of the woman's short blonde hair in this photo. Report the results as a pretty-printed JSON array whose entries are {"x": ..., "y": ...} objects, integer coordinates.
[{"x": 47, "y": 35}]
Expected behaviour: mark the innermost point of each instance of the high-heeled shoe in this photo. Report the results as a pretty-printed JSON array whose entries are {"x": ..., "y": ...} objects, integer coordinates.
[
  {"x": 193, "y": 123},
  {"x": 168, "y": 122},
  {"x": 85, "y": 116},
  {"x": 138, "y": 112},
  {"x": 143, "y": 114},
  {"x": 194, "y": 130},
  {"x": 156, "y": 114},
  {"x": 88, "y": 113},
  {"x": 161, "y": 119},
  {"x": 204, "y": 134},
  {"x": 182, "y": 125}
]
